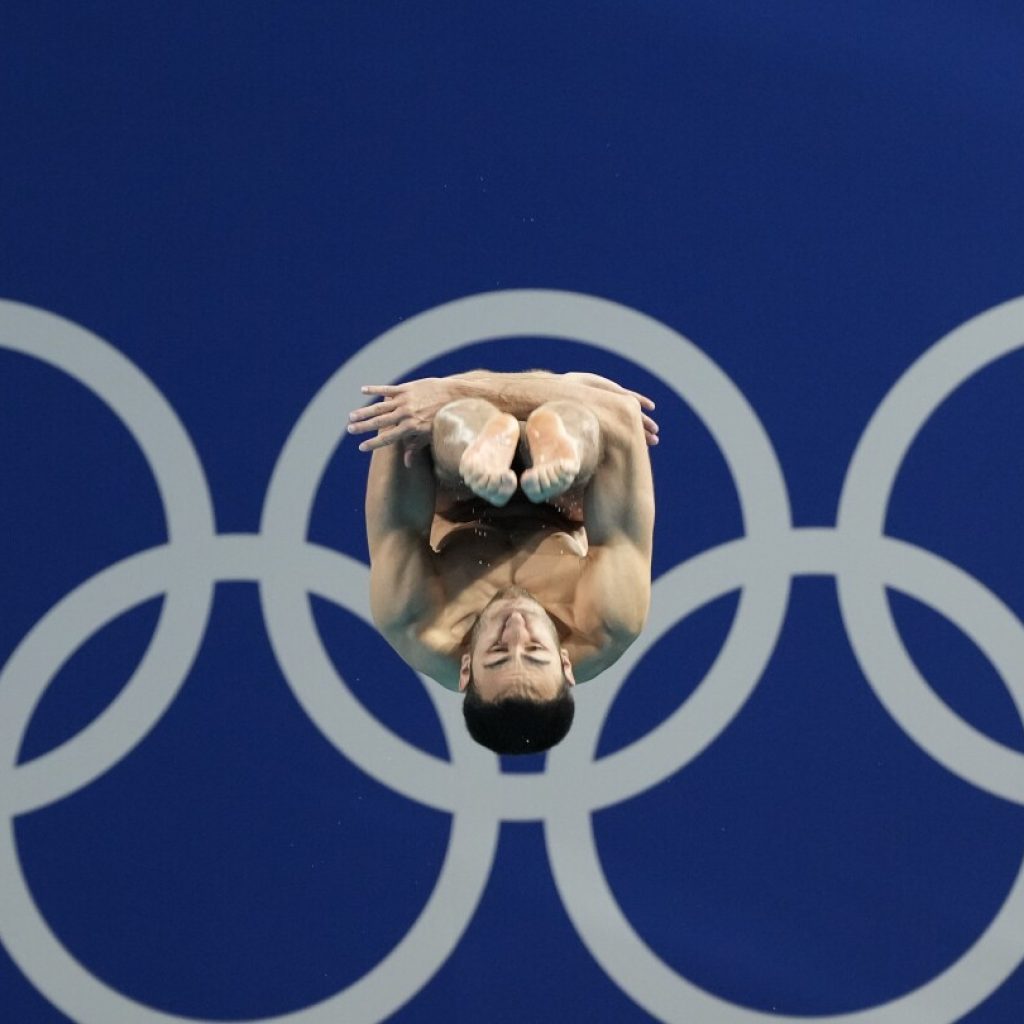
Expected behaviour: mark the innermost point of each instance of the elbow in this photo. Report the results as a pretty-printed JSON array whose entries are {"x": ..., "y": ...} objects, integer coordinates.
[{"x": 623, "y": 417}]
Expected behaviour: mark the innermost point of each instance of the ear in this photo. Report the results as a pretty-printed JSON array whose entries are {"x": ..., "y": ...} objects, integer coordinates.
[
  {"x": 567, "y": 666},
  {"x": 464, "y": 673}
]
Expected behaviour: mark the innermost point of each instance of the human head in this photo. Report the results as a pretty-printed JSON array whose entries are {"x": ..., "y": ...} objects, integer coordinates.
[{"x": 516, "y": 677}]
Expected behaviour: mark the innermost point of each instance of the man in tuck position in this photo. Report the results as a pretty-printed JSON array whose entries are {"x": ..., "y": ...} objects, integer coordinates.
[{"x": 510, "y": 520}]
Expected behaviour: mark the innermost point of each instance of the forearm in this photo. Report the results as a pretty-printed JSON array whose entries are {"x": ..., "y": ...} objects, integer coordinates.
[
  {"x": 518, "y": 394},
  {"x": 406, "y": 412},
  {"x": 474, "y": 374},
  {"x": 399, "y": 497}
]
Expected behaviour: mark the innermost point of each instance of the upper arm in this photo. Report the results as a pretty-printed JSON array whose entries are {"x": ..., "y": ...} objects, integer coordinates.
[
  {"x": 406, "y": 593},
  {"x": 619, "y": 498},
  {"x": 404, "y": 583},
  {"x": 614, "y": 591}
]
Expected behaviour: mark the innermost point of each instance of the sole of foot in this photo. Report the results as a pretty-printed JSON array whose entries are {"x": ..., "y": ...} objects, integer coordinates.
[
  {"x": 485, "y": 464},
  {"x": 555, "y": 456}
]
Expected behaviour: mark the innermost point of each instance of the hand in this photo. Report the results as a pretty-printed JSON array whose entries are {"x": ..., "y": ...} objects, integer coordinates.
[
  {"x": 405, "y": 414},
  {"x": 594, "y": 380}
]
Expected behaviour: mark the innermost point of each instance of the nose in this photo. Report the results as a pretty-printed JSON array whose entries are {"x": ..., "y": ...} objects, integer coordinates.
[{"x": 515, "y": 627}]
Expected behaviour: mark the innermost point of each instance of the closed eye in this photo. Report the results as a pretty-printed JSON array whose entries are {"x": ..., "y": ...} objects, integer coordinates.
[{"x": 533, "y": 661}]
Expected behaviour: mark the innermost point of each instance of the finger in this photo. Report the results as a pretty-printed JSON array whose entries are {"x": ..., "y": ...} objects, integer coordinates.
[
  {"x": 377, "y": 423},
  {"x": 650, "y": 425},
  {"x": 371, "y": 412},
  {"x": 645, "y": 402},
  {"x": 381, "y": 389},
  {"x": 652, "y": 439},
  {"x": 380, "y": 441},
  {"x": 367, "y": 411}
]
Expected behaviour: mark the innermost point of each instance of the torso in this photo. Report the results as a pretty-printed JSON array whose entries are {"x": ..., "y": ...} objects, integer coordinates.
[{"x": 482, "y": 549}]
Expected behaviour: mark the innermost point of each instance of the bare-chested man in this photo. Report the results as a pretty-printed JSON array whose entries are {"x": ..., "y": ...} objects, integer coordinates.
[{"x": 509, "y": 519}]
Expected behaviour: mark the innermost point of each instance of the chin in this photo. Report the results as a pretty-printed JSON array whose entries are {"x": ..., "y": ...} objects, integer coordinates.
[
  {"x": 507, "y": 602},
  {"x": 512, "y": 593}
]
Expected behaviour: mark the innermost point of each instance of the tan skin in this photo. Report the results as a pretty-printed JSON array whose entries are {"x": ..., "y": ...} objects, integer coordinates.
[{"x": 551, "y": 595}]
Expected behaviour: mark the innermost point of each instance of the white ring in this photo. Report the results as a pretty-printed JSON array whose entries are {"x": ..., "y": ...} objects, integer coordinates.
[
  {"x": 867, "y": 490},
  {"x": 158, "y": 432},
  {"x": 719, "y": 697}
]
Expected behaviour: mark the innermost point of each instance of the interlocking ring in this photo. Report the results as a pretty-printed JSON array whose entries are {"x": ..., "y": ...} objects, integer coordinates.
[{"x": 471, "y": 787}]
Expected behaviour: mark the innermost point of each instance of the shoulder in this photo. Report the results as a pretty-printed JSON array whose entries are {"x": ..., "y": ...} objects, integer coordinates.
[
  {"x": 413, "y": 645},
  {"x": 592, "y": 655}
]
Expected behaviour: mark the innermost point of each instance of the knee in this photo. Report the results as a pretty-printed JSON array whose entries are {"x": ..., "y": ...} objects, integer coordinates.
[
  {"x": 459, "y": 420},
  {"x": 464, "y": 414},
  {"x": 578, "y": 419}
]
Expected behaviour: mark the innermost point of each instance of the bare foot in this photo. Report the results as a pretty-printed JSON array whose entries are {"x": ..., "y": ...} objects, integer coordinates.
[
  {"x": 485, "y": 464},
  {"x": 555, "y": 456}
]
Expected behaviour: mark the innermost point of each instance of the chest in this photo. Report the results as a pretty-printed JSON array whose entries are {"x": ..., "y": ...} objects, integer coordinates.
[{"x": 476, "y": 562}]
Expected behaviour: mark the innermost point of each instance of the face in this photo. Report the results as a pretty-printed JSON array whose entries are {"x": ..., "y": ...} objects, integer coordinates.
[{"x": 515, "y": 650}]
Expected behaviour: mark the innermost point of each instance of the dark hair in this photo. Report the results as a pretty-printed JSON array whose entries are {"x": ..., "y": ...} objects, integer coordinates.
[{"x": 518, "y": 725}]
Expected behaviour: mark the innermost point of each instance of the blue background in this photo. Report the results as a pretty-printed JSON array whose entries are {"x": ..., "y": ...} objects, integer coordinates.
[{"x": 240, "y": 196}]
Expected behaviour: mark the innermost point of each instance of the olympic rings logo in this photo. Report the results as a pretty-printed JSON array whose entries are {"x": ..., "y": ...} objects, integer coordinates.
[{"x": 471, "y": 786}]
